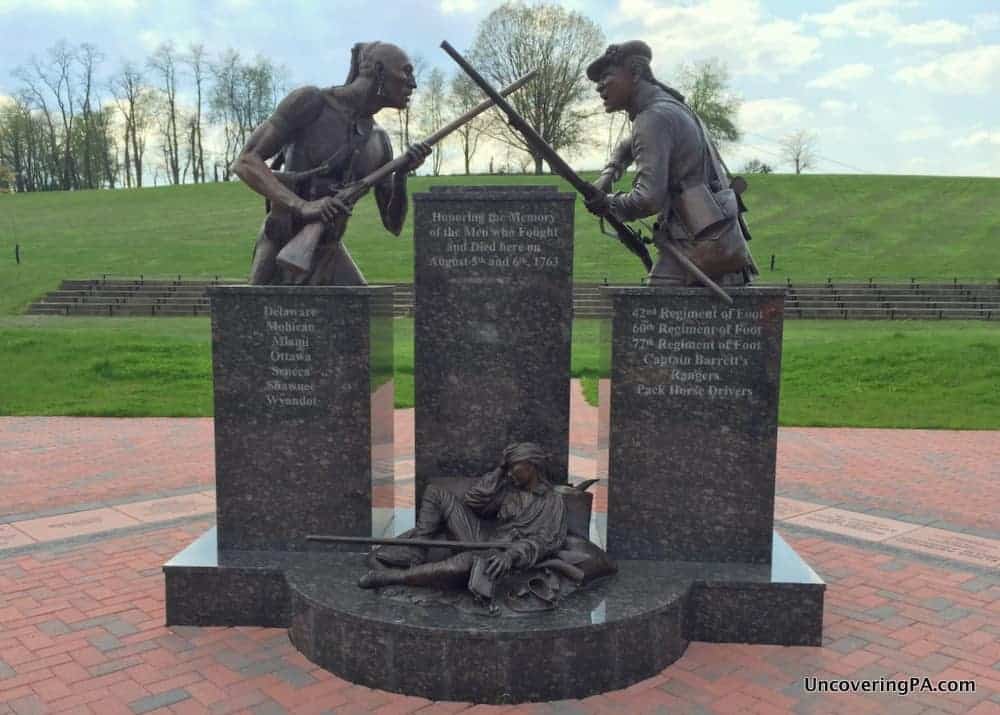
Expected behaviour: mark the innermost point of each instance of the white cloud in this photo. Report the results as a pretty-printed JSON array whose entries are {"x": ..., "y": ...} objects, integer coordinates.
[
  {"x": 975, "y": 71},
  {"x": 737, "y": 31},
  {"x": 923, "y": 133},
  {"x": 770, "y": 116},
  {"x": 986, "y": 22},
  {"x": 979, "y": 137},
  {"x": 873, "y": 18},
  {"x": 842, "y": 77},
  {"x": 859, "y": 17},
  {"x": 74, "y": 6},
  {"x": 934, "y": 32},
  {"x": 452, "y": 7},
  {"x": 837, "y": 108}
]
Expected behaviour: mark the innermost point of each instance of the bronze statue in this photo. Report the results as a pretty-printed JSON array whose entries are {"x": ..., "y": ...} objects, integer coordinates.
[
  {"x": 516, "y": 512},
  {"x": 326, "y": 139},
  {"x": 593, "y": 195},
  {"x": 680, "y": 177}
]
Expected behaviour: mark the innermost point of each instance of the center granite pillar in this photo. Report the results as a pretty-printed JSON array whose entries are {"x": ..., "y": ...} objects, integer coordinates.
[{"x": 492, "y": 326}]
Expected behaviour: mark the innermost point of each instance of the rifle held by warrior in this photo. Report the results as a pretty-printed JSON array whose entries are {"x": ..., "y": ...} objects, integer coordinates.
[
  {"x": 628, "y": 236},
  {"x": 297, "y": 254}
]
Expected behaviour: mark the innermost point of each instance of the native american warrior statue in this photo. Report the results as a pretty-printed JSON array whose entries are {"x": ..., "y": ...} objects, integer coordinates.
[{"x": 325, "y": 140}]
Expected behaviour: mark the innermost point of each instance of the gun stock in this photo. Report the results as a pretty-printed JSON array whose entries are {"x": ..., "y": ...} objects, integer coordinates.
[{"x": 297, "y": 254}]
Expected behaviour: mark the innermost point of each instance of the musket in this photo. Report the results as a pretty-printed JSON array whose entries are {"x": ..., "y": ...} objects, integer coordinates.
[
  {"x": 628, "y": 236},
  {"x": 297, "y": 254},
  {"x": 387, "y": 541}
]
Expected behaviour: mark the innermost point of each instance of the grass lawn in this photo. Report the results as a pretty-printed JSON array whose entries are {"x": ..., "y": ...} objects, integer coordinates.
[
  {"x": 834, "y": 373},
  {"x": 890, "y": 227},
  {"x": 940, "y": 374}
]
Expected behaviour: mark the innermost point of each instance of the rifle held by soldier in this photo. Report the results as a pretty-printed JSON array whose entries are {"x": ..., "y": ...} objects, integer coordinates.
[{"x": 630, "y": 238}]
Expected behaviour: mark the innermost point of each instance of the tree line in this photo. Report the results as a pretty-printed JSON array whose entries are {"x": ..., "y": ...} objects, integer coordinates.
[
  {"x": 75, "y": 123},
  {"x": 71, "y": 125}
]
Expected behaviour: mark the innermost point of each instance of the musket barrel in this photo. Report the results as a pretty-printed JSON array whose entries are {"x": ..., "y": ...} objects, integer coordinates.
[
  {"x": 432, "y": 543},
  {"x": 386, "y": 169},
  {"x": 556, "y": 162}
]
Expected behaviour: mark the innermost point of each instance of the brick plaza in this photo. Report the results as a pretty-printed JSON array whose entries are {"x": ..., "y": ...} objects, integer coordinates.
[{"x": 902, "y": 525}]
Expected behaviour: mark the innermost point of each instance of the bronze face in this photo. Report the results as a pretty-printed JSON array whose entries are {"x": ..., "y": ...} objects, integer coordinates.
[
  {"x": 615, "y": 87},
  {"x": 524, "y": 475},
  {"x": 398, "y": 81}
]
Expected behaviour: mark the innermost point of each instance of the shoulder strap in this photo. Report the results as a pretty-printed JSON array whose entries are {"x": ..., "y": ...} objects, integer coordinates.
[
  {"x": 714, "y": 166},
  {"x": 359, "y": 137}
]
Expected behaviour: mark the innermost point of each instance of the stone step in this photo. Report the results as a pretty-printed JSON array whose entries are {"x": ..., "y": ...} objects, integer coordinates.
[
  {"x": 935, "y": 300},
  {"x": 901, "y": 305},
  {"x": 891, "y": 314}
]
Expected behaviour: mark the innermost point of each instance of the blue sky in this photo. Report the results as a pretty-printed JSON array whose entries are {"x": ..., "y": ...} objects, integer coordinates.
[{"x": 886, "y": 86}]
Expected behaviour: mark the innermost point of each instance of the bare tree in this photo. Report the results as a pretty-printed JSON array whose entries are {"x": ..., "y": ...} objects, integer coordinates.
[
  {"x": 464, "y": 96},
  {"x": 163, "y": 63},
  {"x": 243, "y": 95},
  {"x": 706, "y": 88},
  {"x": 432, "y": 114},
  {"x": 799, "y": 149},
  {"x": 617, "y": 122},
  {"x": 404, "y": 116},
  {"x": 197, "y": 63},
  {"x": 48, "y": 84},
  {"x": 20, "y": 137},
  {"x": 134, "y": 100},
  {"x": 7, "y": 178},
  {"x": 33, "y": 98},
  {"x": 92, "y": 140},
  {"x": 516, "y": 38}
]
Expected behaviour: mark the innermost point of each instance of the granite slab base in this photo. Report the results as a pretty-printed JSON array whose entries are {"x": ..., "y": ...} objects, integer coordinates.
[{"x": 621, "y": 631}]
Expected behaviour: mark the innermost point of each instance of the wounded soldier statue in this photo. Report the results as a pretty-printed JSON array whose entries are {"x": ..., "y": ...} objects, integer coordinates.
[{"x": 518, "y": 547}]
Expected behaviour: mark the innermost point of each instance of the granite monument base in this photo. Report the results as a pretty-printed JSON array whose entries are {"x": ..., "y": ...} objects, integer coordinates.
[{"x": 624, "y": 630}]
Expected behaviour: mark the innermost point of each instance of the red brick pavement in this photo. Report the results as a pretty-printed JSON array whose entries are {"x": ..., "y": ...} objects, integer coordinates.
[
  {"x": 951, "y": 476},
  {"x": 81, "y": 631},
  {"x": 81, "y": 627},
  {"x": 92, "y": 460}
]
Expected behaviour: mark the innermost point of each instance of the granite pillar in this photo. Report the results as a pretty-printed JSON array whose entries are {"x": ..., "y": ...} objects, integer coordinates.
[
  {"x": 303, "y": 411},
  {"x": 693, "y": 423},
  {"x": 492, "y": 326}
]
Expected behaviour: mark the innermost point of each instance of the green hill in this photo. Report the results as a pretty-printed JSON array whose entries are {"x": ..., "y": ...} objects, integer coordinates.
[{"x": 889, "y": 227}]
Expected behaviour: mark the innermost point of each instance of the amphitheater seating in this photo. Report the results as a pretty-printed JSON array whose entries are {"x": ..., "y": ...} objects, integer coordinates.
[{"x": 115, "y": 297}]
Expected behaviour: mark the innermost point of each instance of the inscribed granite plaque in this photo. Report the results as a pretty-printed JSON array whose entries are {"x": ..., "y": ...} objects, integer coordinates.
[
  {"x": 693, "y": 423},
  {"x": 302, "y": 376}
]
